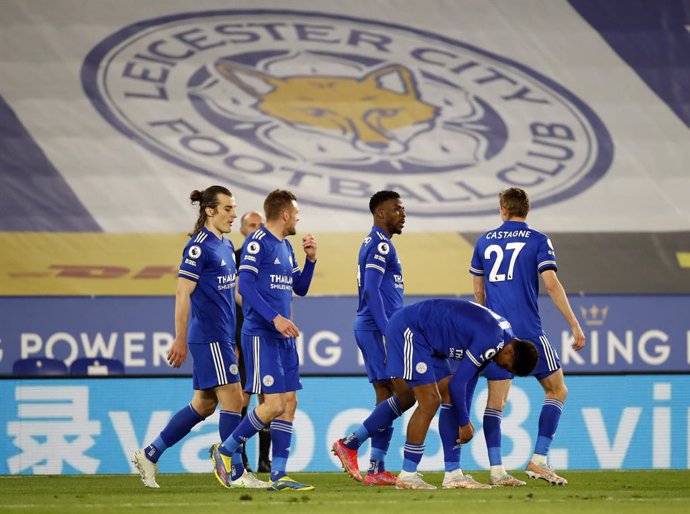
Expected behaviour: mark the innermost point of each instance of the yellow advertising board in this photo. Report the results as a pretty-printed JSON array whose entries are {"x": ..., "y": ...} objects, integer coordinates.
[{"x": 100, "y": 264}]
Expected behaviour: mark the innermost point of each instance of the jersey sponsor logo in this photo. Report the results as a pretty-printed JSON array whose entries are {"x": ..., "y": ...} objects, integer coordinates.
[
  {"x": 456, "y": 353},
  {"x": 233, "y": 369},
  {"x": 383, "y": 248},
  {"x": 335, "y": 108},
  {"x": 268, "y": 380},
  {"x": 194, "y": 252},
  {"x": 421, "y": 367},
  {"x": 253, "y": 247}
]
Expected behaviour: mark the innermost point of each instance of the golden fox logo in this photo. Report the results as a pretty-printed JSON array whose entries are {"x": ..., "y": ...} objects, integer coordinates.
[{"x": 378, "y": 112}]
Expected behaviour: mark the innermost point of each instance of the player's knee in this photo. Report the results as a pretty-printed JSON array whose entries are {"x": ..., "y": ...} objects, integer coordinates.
[
  {"x": 206, "y": 407},
  {"x": 496, "y": 402},
  {"x": 430, "y": 403}
]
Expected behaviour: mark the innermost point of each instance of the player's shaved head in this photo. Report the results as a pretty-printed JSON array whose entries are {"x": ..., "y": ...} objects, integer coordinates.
[{"x": 380, "y": 197}]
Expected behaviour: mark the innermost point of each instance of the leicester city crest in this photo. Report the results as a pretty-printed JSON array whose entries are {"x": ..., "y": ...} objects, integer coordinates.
[{"x": 335, "y": 108}]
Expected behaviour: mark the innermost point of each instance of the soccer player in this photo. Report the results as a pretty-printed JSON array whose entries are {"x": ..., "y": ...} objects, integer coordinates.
[
  {"x": 420, "y": 339},
  {"x": 206, "y": 289},
  {"x": 380, "y": 291},
  {"x": 506, "y": 266},
  {"x": 269, "y": 274},
  {"x": 250, "y": 222}
]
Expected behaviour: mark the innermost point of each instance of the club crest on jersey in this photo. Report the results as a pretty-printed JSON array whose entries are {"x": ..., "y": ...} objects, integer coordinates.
[
  {"x": 268, "y": 380},
  {"x": 421, "y": 367},
  {"x": 335, "y": 108},
  {"x": 233, "y": 369}
]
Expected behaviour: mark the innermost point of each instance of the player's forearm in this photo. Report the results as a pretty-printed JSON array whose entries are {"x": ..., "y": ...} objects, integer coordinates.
[
  {"x": 182, "y": 307},
  {"x": 479, "y": 289},
  {"x": 303, "y": 280}
]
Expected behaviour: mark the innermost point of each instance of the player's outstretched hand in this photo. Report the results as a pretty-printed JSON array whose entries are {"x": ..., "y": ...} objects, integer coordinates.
[
  {"x": 466, "y": 433},
  {"x": 309, "y": 245},
  {"x": 285, "y": 326}
]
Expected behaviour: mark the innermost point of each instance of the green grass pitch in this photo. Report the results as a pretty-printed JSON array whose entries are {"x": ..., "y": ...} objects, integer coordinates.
[{"x": 590, "y": 492}]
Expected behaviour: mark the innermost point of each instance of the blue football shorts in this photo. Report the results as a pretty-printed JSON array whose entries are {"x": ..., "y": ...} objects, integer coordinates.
[
  {"x": 410, "y": 356},
  {"x": 371, "y": 344},
  {"x": 215, "y": 364},
  {"x": 271, "y": 364}
]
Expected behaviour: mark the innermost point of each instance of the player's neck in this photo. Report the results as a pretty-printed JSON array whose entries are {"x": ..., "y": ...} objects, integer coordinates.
[
  {"x": 383, "y": 229},
  {"x": 213, "y": 230},
  {"x": 277, "y": 229},
  {"x": 516, "y": 218}
]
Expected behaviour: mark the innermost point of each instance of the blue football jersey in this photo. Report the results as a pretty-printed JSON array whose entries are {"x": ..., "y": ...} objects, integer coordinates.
[
  {"x": 377, "y": 255},
  {"x": 273, "y": 263},
  {"x": 458, "y": 329},
  {"x": 210, "y": 262},
  {"x": 510, "y": 258}
]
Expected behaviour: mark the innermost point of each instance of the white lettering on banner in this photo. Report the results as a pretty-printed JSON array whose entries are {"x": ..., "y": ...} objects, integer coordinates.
[
  {"x": 62, "y": 336},
  {"x": 661, "y": 427},
  {"x": 651, "y": 347},
  {"x": 162, "y": 341},
  {"x": 97, "y": 347},
  {"x": 518, "y": 409},
  {"x": 331, "y": 353},
  {"x": 131, "y": 348},
  {"x": 53, "y": 428},
  {"x": 662, "y": 351},
  {"x": 84, "y": 344},
  {"x": 342, "y": 424},
  {"x": 126, "y": 435},
  {"x": 611, "y": 456}
]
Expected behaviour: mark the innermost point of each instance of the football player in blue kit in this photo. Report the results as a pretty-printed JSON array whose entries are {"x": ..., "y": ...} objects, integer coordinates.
[
  {"x": 380, "y": 290},
  {"x": 205, "y": 327},
  {"x": 506, "y": 266},
  {"x": 420, "y": 340},
  {"x": 268, "y": 275}
]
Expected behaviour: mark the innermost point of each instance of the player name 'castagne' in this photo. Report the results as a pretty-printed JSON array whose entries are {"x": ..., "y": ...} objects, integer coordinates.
[{"x": 505, "y": 234}]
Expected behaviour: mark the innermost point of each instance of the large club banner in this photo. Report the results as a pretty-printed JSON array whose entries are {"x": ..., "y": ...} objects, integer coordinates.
[
  {"x": 54, "y": 426},
  {"x": 625, "y": 334},
  {"x": 446, "y": 102}
]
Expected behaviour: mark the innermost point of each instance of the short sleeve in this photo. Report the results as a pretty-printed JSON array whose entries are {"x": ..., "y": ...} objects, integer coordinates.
[{"x": 193, "y": 261}]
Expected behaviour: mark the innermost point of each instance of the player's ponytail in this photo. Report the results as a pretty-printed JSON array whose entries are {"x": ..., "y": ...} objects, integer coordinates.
[{"x": 208, "y": 198}]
